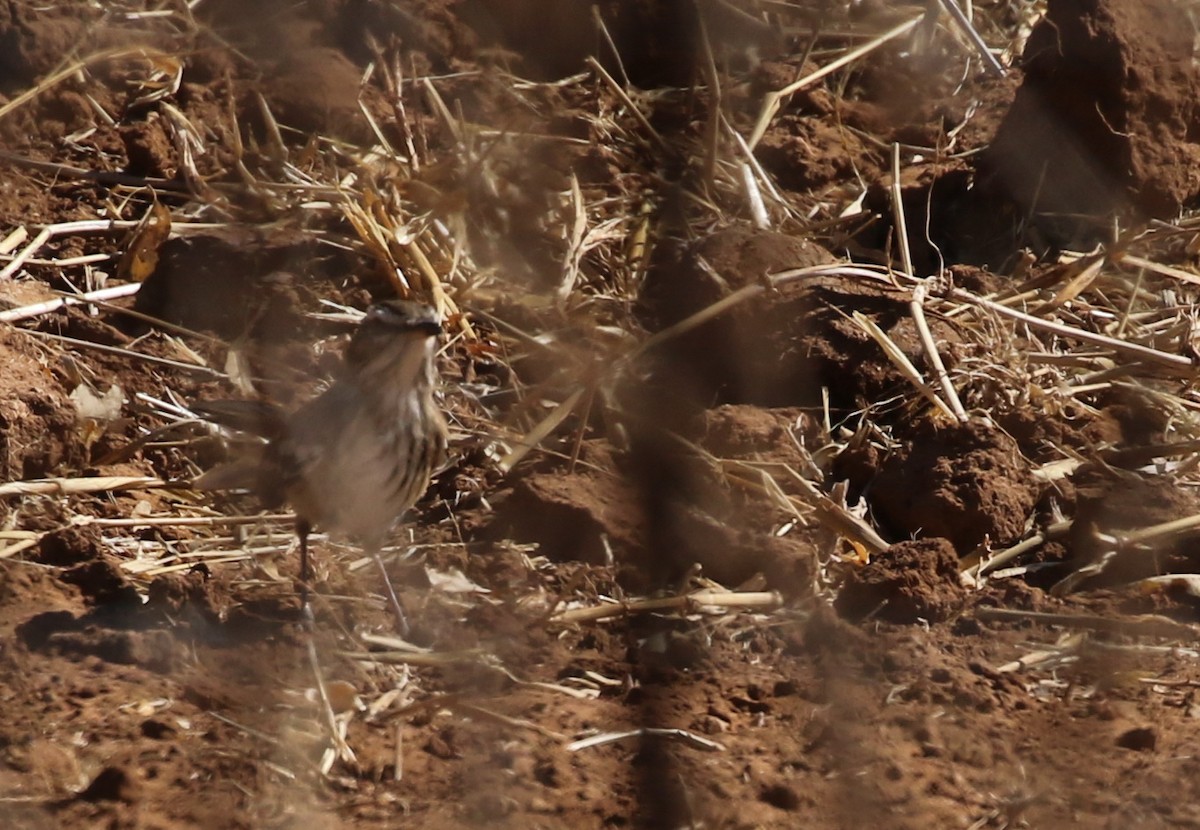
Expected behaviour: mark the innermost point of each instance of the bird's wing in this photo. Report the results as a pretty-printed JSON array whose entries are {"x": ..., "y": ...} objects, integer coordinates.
[
  {"x": 241, "y": 474},
  {"x": 260, "y": 418}
]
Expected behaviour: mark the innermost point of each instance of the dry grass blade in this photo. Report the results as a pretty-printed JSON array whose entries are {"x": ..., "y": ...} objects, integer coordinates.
[
  {"x": 774, "y": 100},
  {"x": 13, "y": 240},
  {"x": 77, "y": 486},
  {"x": 1001, "y": 558},
  {"x": 55, "y": 78},
  {"x": 964, "y": 23},
  {"x": 19, "y": 546},
  {"x": 575, "y": 247},
  {"x": 758, "y": 208},
  {"x": 26, "y": 252},
  {"x": 748, "y": 292},
  {"x": 1080, "y": 275},
  {"x": 901, "y": 361},
  {"x": 129, "y": 353},
  {"x": 841, "y": 520},
  {"x": 682, "y": 735},
  {"x": 685, "y": 603},
  {"x": 420, "y": 658},
  {"x": 1142, "y": 626},
  {"x": 634, "y": 109},
  {"x": 477, "y": 711},
  {"x": 342, "y": 750},
  {"x": 1131, "y": 261},
  {"x": 539, "y": 433},
  {"x": 898, "y": 215},
  {"x": 917, "y": 308},
  {"x": 712, "y": 129},
  {"x": 26, "y": 312},
  {"x": 1159, "y": 532},
  {"x": 1134, "y": 350}
]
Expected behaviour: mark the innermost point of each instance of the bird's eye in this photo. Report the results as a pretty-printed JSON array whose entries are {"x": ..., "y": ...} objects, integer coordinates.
[{"x": 387, "y": 314}]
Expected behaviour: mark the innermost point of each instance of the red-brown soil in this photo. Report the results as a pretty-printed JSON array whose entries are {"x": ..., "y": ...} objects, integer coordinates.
[{"x": 154, "y": 672}]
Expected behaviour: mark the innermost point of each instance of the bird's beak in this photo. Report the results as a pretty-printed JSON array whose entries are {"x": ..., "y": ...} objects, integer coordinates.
[{"x": 430, "y": 326}]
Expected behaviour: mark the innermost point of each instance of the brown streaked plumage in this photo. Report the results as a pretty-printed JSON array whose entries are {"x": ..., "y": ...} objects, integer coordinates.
[{"x": 354, "y": 459}]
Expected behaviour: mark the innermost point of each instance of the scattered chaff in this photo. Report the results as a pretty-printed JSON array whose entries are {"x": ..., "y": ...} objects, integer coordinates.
[
  {"x": 1136, "y": 328},
  {"x": 1130, "y": 261},
  {"x": 841, "y": 520},
  {"x": 406, "y": 657}
]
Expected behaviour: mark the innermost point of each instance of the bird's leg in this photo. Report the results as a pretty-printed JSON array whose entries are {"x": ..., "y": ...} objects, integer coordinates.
[
  {"x": 401, "y": 618},
  {"x": 303, "y": 528}
]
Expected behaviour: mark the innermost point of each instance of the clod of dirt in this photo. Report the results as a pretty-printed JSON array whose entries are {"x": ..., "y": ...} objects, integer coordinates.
[
  {"x": 23, "y": 587},
  {"x": 269, "y": 29},
  {"x": 149, "y": 149},
  {"x": 781, "y": 347},
  {"x": 656, "y": 41},
  {"x": 570, "y": 515},
  {"x": 807, "y": 153},
  {"x": 1105, "y": 121},
  {"x": 103, "y": 583},
  {"x": 234, "y": 284},
  {"x": 69, "y": 546},
  {"x": 170, "y": 594},
  {"x": 751, "y": 432},
  {"x": 37, "y": 423},
  {"x": 1140, "y": 738},
  {"x": 907, "y": 583},
  {"x": 1114, "y": 504},
  {"x": 33, "y": 42},
  {"x": 316, "y": 90},
  {"x": 111, "y": 784},
  {"x": 655, "y": 530},
  {"x": 59, "y": 632},
  {"x": 965, "y": 482}
]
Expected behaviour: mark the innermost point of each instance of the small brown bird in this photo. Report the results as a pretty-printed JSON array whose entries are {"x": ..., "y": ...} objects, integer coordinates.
[{"x": 354, "y": 459}]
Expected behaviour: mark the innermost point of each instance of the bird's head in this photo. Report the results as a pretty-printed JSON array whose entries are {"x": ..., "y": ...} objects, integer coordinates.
[{"x": 394, "y": 342}]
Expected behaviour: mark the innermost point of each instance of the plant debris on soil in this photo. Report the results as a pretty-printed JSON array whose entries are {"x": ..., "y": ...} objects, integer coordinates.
[{"x": 821, "y": 387}]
